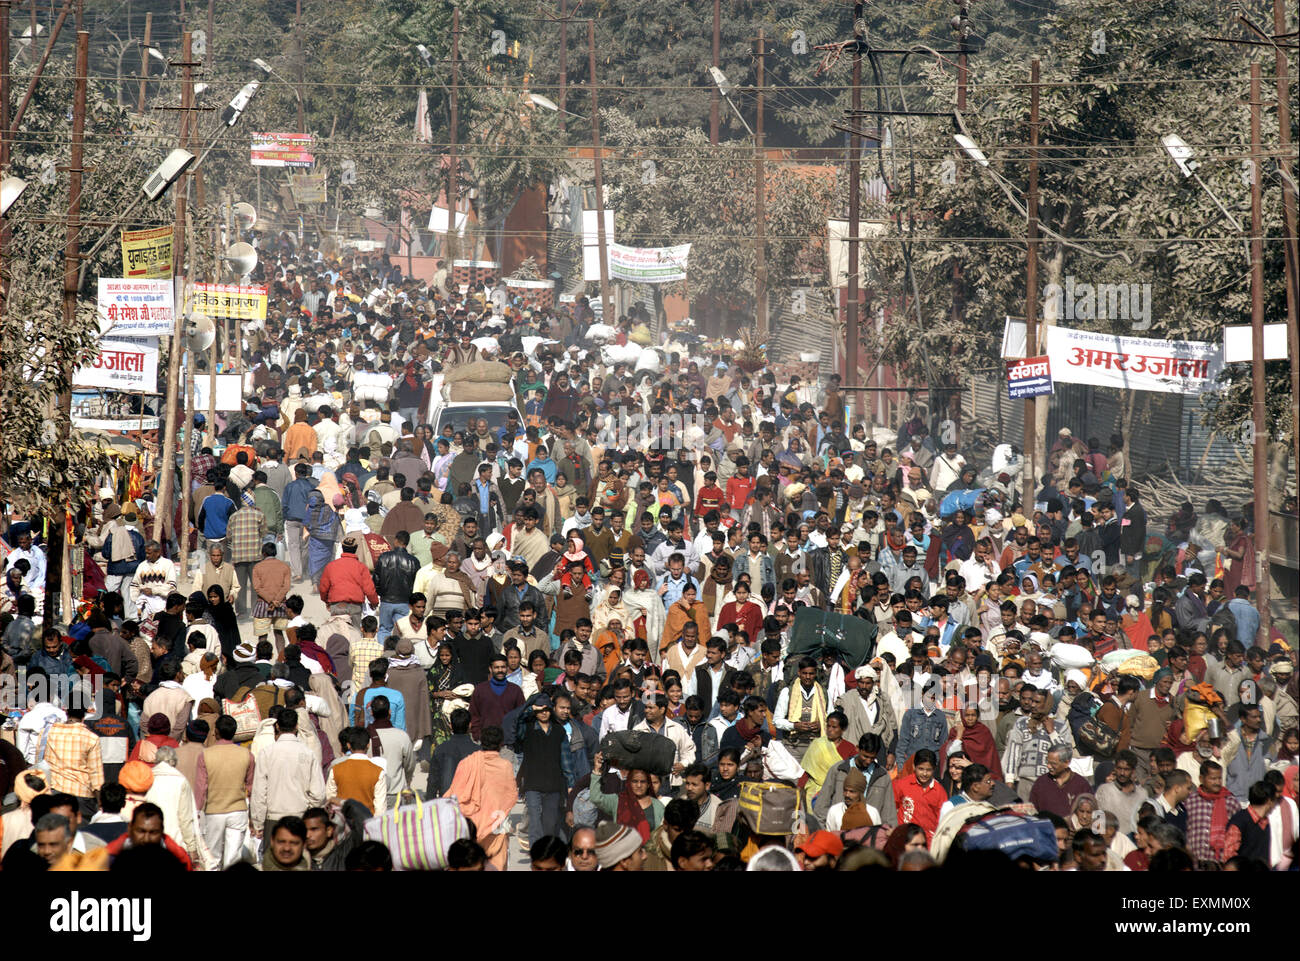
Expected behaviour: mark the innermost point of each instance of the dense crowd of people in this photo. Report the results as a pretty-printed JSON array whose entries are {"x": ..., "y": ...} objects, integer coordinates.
[{"x": 749, "y": 632}]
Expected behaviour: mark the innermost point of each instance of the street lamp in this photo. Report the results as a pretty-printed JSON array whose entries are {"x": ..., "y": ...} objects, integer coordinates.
[
  {"x": 725, "y": 88},
  {"x": 547, "y": 104},
  {"x": 11, "y": 188},
  {"x": 971, "y": 149},
  {"x": 1181, "y": 154}
]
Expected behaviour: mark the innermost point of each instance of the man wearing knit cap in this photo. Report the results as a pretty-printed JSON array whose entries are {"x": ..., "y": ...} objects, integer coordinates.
[
  {"x": 242, "y": 672},
  {"x": 618, "y": 848}
]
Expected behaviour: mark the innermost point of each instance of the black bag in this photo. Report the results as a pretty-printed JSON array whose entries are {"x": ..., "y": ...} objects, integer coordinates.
[
  {"x": 1091, "y": 735},
  {"x": 645, "y": 750},
  {"x": 510, "y": 344}
]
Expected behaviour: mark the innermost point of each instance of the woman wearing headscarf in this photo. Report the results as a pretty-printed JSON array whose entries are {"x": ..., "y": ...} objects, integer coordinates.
[
  {"x": 643, "y": 596},
  {"x": 610, "y": 607},
  {"x": 448, "y": 690},
  {"x": 323, "y": 528},
  {"x": 971, "y": 736},
  {"x": 958, "y": 538},
  {"x": 221, "y": 615},
  {"x": 634, "y": 806},
  {"x": 904, "y": 838}
]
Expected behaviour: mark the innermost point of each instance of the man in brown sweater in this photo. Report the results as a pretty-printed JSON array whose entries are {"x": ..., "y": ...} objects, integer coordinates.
[
  {"x": 1150, "y": 717},
  {"x": 1117, "y": 713},
  {"x": 272, "y": 581},
  {"x": 229, "y": 768}
]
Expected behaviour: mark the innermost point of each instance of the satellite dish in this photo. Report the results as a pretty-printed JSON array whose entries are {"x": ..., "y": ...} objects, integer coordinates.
[
  {"x": 241, "y": 257},
  {"x": 200, "y": 333},
  {"x": 246, "y": 213}
]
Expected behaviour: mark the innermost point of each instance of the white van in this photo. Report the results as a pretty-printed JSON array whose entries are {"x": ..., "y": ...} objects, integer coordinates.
[{"x": 459, "y": 414}]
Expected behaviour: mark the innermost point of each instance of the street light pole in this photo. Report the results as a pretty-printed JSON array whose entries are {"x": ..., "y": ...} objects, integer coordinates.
[
  {"x": 1031, "y": 289},
  {"x": 607, "y": 307},
  {"x": 1259, "y": 413},
  {"x": 71, "y": 257},
  {"x": 167, "y": 446}
]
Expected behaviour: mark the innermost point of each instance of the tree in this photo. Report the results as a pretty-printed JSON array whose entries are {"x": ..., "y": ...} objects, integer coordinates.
[{"x": 1105, "y": 184}]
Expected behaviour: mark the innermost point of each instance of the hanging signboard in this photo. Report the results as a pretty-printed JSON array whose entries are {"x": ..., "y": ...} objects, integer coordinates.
[
  {"x": 141, "y": 308},
  {"x": 147, "y": 253},
  {"x": 228, "y": 300},
  {"x": 648, "y": 265},
  {"x": 1133, "y": 363},
  {"x": 309, "y": 188},
  {"x": 124, "y": 363},
  {"x": 1030, "y": 377},
  {"x": 229, "y": 394},
  {"x": 282, "y": 150},
  {"x": 112, "y": 410}
]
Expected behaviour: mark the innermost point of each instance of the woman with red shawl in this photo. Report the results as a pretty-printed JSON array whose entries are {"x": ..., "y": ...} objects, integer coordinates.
[
  {"x": 634, "y": 806},
  {"x": 976, "y": 741},
  {"x": 157, "y": 734}
]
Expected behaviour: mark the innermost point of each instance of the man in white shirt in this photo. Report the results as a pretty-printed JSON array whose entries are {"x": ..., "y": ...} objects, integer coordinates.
[{"x": 656, "y": 721}]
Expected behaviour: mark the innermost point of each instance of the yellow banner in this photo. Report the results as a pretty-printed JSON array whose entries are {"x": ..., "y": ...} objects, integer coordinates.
[
  {"x": 147, "y": 253},
  {"x": 228, "y": 300}
]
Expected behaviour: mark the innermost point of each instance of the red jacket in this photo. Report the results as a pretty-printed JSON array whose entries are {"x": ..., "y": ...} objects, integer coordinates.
[
  {"x": 918, "y": 805},
  {"x": 346, "y": 581}
]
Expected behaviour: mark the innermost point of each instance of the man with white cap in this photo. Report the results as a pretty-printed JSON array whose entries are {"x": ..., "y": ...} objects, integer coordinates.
[
  {"x": 241, "y": 671},
  {"x": 619, "y": 848},
  {"x": 866, "y": 709}
]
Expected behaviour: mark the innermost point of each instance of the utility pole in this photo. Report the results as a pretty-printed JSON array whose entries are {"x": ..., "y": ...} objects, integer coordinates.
[
  {"x": 144, "y": 58},
  {"x": 1031, "y": 289},
  {"x": 714, "y": 96},
  {"x": 962, "y": 25},
  {"x": 760, "y": 206},
  {"x": 297, "y": 44},
  {"x": 71, "y": 270},
  {"x": 210, "y": 46},
  {"x": 453, "y": 172},
  {"x": 564, "y": 59},
  {"x": 1290, "y": 219},
  {"x": 607, "y": 306},
  {"x": 851, "y": 337},
  {"x": 167, "y": 446},
  {"x": 1257, "y": 383}
]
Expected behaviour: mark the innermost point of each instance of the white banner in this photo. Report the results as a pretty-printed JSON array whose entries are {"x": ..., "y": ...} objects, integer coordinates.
[
  {"x": 439, "y": 221},
  {"x": 126, "y": 363},
  {"x": 140, "y": 308},
  {"x": 837, "y": 248},
  {"x": 1239, "y": 345},
  {"x": 648, "y": 265},
  {"x": 229, "y": 395},
  {"x": 1133, "y": 363},
  {"x": 591, "y": 243}
]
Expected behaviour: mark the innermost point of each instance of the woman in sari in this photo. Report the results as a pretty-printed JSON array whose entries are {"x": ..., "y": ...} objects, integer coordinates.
[
  {"x": 323, "y": 529},
  {"x": 221, "y": 615},
  {"x": 442, "y": 463},
  {"x": 448, "y": 690}
]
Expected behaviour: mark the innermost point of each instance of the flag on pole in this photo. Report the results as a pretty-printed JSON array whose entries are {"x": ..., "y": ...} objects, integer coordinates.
[{"x": 423, "y": 129}]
